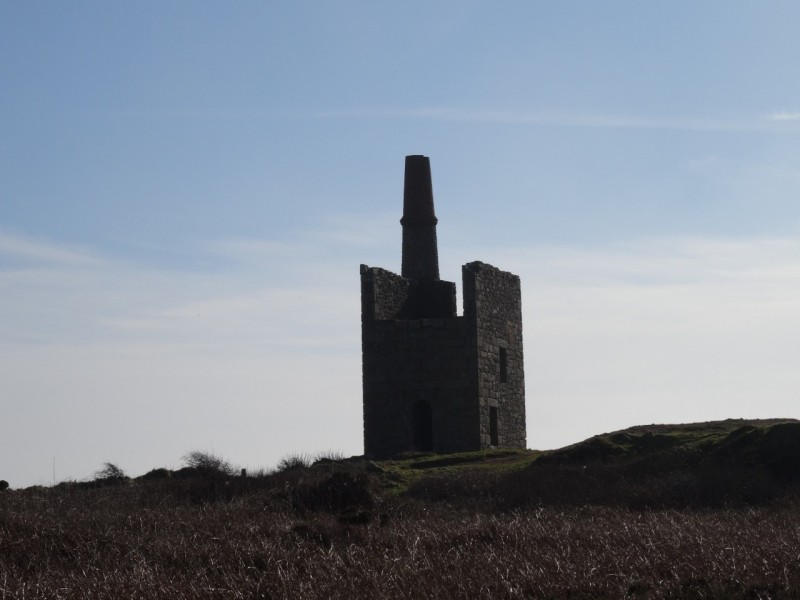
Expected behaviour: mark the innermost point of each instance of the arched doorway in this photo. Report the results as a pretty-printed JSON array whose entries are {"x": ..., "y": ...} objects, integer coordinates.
[{"x": 422, "y": 426}]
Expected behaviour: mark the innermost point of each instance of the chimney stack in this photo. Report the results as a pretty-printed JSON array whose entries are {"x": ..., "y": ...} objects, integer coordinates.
[{"x": 420, "y": 253}]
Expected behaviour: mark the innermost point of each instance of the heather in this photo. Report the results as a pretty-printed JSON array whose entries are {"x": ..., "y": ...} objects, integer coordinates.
[{"x": 460, "y": 526}]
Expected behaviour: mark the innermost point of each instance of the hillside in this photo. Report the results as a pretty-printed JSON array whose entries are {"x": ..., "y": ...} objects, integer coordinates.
[
  {"x": 732, "y": 462},
  {"x": 766, "y": 442},
  {"x": 614, "y": 516}
]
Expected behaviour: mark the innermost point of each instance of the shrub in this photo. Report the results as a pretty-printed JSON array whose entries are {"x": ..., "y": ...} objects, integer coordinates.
[
  {"x": 110, "y": 471},
  {"x": 208, "y": 463},
  {"x": 292, "y": 462}
]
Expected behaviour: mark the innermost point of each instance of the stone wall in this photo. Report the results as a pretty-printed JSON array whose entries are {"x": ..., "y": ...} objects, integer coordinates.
[
  {"x": 451, "y": 364},
  {"x": 419, "y": 360},
  {"x": 410, "y": 357},
  {"x": 493, "y": 310},
  {"x": 383, "y": 294},
  {"x": 386, "y": 295}
]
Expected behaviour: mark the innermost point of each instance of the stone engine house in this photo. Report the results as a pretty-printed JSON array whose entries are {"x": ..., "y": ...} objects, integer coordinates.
[{"x": 434, "y": 380}]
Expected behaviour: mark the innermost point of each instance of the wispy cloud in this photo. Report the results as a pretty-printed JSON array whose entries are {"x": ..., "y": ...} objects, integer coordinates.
[
  {"x": 559, "y": 118},
  {"x": 29, "y": 249},
  {"x": 507, "y": 116},
  {"x": 785, "y": 116},
  {"x": 556, "y": 118}
]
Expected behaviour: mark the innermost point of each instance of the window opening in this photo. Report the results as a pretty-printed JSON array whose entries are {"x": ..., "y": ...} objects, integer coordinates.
[
  {"x": 493, "y": 437},
  {"x": 422, "y": 426},
  {"x": 503, "y": 365}
]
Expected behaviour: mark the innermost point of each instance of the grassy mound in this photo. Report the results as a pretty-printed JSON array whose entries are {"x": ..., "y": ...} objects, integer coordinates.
[{"x": 723, "y": 463}]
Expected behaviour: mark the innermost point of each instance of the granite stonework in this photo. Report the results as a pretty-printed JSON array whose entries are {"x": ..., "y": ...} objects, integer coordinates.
[{"x": 433, "y": 380}]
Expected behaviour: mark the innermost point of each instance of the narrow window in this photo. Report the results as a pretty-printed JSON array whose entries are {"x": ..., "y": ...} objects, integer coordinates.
[
  {"x": 422, "y": 426},
  {"x": 493, "y": 437},
  {"x": 503, "y": 365}
]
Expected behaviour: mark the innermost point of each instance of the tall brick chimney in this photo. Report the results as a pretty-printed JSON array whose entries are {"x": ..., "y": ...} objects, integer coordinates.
[{"x": 420, "y": 252}]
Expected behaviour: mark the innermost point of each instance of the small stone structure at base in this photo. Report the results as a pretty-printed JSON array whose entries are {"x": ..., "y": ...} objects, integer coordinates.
[{"x": 434, "y": 380}]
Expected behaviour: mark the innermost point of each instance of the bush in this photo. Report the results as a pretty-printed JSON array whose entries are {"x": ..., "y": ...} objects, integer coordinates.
[
  {"x": 292, "y": 462},
  {"x": 110, "y": 471},
  {"x": 208, "y": 463}
]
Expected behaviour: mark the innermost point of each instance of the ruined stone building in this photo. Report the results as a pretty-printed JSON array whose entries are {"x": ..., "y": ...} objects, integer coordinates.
[{"x": 434, "y": 380}]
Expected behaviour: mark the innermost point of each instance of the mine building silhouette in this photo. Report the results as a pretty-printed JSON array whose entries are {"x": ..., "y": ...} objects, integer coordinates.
[{"x": 434, "y": 380}]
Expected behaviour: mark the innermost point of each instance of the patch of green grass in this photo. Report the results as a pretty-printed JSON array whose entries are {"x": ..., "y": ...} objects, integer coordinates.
[{"x": 401, "y": 472}]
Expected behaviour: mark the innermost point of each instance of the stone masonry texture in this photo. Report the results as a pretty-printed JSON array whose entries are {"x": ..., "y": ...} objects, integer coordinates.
[{"x": 433, "y": 380}]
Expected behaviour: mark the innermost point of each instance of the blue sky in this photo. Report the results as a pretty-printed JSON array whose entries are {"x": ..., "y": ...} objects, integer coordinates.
[{"x": 187, "y": 190}]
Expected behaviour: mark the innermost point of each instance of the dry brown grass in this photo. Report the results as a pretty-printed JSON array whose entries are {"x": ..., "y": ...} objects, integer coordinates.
[{"x": 124, "y": 542}]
